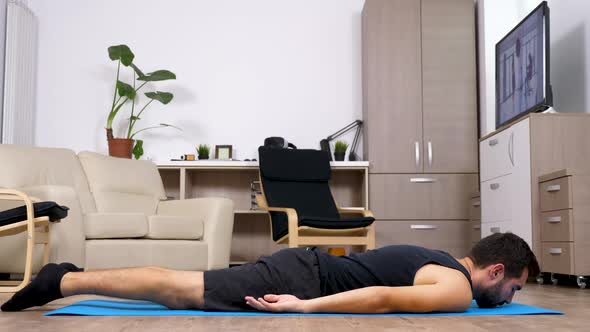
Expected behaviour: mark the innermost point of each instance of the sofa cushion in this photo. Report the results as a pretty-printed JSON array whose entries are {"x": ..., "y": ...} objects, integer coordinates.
[
  {"x": 123, "y": 185},
  {"x": 175, "y": 228},
  {"x": 115, "y": 225}
]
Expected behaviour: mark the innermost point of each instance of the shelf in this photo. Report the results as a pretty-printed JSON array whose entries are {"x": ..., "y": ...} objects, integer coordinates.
[{"x": 229, "y": 164}]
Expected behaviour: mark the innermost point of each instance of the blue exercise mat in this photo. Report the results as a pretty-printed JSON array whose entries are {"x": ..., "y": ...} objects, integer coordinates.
[{"x": 140, "y": 308}]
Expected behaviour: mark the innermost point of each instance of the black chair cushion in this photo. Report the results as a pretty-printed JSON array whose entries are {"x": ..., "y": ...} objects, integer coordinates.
[
  {"x": 294, "y": 165},
  {"x": 49, "y": 209},
  {"x": 329, "y": 223}
]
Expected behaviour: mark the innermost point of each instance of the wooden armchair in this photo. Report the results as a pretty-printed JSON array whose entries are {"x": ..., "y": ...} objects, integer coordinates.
[
  {"x": 37, "y": 229},
  {"x": 297, "y": 196}
]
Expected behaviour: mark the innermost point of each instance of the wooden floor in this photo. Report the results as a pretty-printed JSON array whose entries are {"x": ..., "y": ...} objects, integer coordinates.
[{"x": 573, "y": 301}]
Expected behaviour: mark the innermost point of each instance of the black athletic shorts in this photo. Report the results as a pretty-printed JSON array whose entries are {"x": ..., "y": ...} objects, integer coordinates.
[{"x": 289, "y": 271}]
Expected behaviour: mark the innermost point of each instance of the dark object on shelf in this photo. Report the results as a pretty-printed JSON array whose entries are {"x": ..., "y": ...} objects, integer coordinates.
[
  {"x": 203, "y": 157},
  {"x": 278, "y": 142},
  {"x": 325, "y": 143},
  {"x": 339, "y": 156}
]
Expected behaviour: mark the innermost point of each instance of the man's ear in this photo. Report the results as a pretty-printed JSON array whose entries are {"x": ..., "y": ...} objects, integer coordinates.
[{"x": 496, "y": 271}]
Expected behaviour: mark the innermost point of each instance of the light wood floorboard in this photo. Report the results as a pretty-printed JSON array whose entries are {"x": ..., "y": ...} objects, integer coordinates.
[{"x": 573, "y": 301}]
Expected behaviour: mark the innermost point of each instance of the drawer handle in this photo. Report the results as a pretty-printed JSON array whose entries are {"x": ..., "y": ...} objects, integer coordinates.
[
  {"x": 494, "y": 186},
  {"x": 495, "y": 229},
  {"x": 476, "y": 203},
  {"x": 476, "y": 227},
  {"x": 425, "y": 227},
  {"x": 555, "y": 251},
  {"x": 493, "y": 142},
  {"x": 553, "y": 188},
  {"x": 554, "y": 220},
  {"x": 422, "y": 180}
]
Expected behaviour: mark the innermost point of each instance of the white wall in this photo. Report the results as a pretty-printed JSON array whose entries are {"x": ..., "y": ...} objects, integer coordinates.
[
  {"x": 245, "y": 70},
  {"x": 570, "y": 47}
]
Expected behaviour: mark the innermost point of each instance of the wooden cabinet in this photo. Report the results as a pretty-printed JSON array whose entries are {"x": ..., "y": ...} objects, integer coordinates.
[
  {"x": 512, "y": 159},
  {"x": 392, "y": 85},
  {"x": 564, "y": 202},
  {"x": 419, "y": 109},
  {"x": 449, "y": 106}
]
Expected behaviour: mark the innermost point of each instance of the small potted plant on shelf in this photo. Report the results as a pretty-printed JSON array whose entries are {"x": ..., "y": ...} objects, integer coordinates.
[
  {"x": 340, "y": 150},
  {"x": 203, "y": 151},
  {"x": 123, "y": 147}
]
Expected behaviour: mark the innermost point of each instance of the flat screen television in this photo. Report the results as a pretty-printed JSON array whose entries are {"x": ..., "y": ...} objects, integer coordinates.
[{"x": 522, "y": 68}]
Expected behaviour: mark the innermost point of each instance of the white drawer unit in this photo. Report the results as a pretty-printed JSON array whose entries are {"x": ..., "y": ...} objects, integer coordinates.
[
  {"x": 506, "y": 181},
  {"x": 496, "y": 194}
]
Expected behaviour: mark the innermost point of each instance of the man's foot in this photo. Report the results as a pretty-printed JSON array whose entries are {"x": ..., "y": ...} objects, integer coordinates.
[{"x": 43, "y": 289}]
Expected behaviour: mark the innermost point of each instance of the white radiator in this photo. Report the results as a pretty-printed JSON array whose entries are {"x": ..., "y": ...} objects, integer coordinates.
[{"x": 18, "y": 121}]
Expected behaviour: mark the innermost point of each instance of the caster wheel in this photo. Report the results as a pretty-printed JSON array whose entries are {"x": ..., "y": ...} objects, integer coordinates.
[
  {"x": 553, "y": 279},
  {"x": 581, "y": 281},
  {"x": 540, "y": 280}
]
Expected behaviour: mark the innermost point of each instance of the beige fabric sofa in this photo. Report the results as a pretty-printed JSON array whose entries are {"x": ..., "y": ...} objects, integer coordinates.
[{"x": 119, "y": 215}]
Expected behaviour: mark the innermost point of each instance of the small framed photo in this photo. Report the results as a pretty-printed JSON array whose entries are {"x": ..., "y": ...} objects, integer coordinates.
[{"x": 223, "y": 152}]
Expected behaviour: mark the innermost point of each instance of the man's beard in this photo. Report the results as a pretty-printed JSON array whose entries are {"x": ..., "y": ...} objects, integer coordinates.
[{"x": 489, "y": 297}]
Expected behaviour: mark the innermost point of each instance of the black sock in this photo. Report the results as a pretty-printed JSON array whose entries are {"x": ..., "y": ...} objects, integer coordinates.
[{"x": 43, "y": 289}]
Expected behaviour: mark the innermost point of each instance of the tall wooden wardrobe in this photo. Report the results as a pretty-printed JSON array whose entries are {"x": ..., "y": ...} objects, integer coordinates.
[{"x": 420, "y": 114}]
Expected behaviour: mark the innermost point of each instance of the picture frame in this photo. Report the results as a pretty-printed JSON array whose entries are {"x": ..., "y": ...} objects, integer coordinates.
[{"x": 223, "y": 152}]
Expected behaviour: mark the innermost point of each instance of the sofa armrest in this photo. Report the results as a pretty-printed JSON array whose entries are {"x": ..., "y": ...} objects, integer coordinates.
[
  {"x": 67, "y": 237},
  {"x": 218, "y": 217}
]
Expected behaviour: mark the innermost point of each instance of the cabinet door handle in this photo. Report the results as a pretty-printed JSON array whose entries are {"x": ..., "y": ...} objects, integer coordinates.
[
  {"x": 494, "y": 186},
  {"x": 553, "y": 188},
  {"x": 477, "y": 227},
  {"x": 417, "y": 147},
  {"x": 495, "y": 229},
  {"x": 555, "y": 251},
  {"x": 553, "y": 220},
  {"x": 493, "y": 142},
  {"x": 422, "y": 180},
  {"x": 429, "y": 153},
  {"x": 476, "y": 203},
  {"x": 424, "y": 227}
]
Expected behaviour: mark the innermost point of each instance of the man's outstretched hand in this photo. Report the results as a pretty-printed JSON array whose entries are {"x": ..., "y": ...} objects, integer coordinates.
[{"x": 276, "y": 303}]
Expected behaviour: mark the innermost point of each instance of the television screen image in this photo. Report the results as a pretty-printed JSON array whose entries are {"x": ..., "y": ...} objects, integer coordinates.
[{"x": 521, "y": 68}]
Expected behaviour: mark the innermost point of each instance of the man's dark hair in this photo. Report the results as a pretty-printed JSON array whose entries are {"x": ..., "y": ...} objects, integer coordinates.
[{"x": 507, "y": 249}]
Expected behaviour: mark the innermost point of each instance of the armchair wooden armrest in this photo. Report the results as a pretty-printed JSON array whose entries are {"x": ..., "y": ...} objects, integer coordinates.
[{"x": 364, "y": 213}]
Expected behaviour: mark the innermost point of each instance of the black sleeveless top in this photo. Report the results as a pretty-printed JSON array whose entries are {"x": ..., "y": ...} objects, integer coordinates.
[{"x": 387, "y": 266}]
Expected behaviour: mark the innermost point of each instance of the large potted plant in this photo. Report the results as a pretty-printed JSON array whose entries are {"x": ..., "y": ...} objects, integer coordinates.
[{"x": 124, "y": 93}]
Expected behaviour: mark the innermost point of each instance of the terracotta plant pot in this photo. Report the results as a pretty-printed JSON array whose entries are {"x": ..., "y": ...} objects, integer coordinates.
[
  {"x": 339, "y": 156},
  {"x": 120, "y": 147}
]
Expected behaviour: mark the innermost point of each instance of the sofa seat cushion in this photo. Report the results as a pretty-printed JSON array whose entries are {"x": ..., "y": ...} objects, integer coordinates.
[
  {"x": 174, "y": 228},
  {"x": 115, "y": 225}
]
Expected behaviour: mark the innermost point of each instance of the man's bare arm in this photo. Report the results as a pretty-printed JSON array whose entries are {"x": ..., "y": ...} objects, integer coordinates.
[
  {"x": 418, "y": 298},
  {"x": 447, "y": 294}
]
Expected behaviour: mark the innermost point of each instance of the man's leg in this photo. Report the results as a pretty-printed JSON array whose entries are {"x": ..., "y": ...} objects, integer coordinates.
[{"x": 174, "y": 289}]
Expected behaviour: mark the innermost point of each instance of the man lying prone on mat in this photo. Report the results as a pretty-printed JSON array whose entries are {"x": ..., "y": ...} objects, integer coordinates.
[{"x": 389, "y": 279}]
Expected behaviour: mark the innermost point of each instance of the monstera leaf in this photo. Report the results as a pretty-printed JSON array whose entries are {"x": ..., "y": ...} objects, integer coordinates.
[
  {"x": 125, "y": 90},
  {"x": 158, "y": 75},
  {"x": 163, "y": 97},
  {"x": 123, "y": 53}
]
